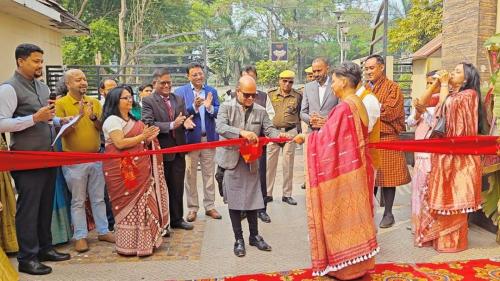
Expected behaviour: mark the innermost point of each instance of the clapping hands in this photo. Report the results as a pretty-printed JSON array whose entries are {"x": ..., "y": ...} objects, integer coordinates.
[
  {"x": 188, "y": 123},
  {"x": 150, "y": 132},
  {"x": 208, "y": 101},
  {"x": 179, "y": 120}
]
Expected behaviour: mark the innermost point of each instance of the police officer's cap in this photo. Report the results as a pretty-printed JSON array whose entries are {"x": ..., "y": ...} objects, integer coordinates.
[{"x": 287, "y": 74}]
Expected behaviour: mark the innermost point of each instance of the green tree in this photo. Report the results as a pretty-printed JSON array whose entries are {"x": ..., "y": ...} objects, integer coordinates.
[
  {"x": 237, "y": 45},
  {"x": 82, "y": 50},
  {"x": 422, "y": 24},
  {"x": 268, "y": 71}
]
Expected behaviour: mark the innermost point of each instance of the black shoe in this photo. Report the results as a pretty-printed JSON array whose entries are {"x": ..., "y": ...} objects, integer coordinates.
[
  {"x": 268, "y": 199},
  {"x": 387, "y": 221},
  {"x": 34, "y": 268},
  {"x": 53, "y": 255},
  {"x": 243, "y": 215},
  {"x": 183, "y": 225},
  {"x": 239, "y": 248},
  {"x": 289, "y": 200},
  {"x": 263, "y": 216},
  {"x": 259, "y": 242},
  {"x": 303, "y": 186}
]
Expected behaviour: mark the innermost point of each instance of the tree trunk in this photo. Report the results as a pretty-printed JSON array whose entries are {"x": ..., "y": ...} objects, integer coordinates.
[
  {"x": 82, "y": 8},
  {"x": 121, "y": 31}
]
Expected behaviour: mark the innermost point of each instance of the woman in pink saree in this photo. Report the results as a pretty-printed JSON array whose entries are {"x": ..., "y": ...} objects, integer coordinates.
[
  {"x": 454, "y": 185},
  {"x": 339, "y": 185},
  {"x": 422, "y": 118},
  {"x": 136, "y": 186}
]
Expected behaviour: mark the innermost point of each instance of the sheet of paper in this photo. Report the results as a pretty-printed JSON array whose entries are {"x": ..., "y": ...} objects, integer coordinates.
[{"x": 66, "y": 126}]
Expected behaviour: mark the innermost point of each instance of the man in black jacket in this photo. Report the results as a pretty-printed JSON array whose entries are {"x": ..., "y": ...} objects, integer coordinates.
[{"x": 168, "y": 112}]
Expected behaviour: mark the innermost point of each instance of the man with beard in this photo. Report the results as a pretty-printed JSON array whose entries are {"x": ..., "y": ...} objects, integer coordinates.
[
  {"x": 393, "y": 170},
  {"x": 25, "y": 113},
  {"x": 318, "y": 99},
  {"x": 86, "y": 178}
]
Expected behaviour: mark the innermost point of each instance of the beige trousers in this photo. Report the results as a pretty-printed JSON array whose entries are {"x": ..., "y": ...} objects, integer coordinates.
[
  {"x": 273, "y": 151},
  {"x": 207, "y": 162}
]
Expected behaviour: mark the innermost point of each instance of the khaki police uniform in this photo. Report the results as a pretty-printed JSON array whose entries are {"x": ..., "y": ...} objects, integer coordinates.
[{"x": 286, "y": 119}]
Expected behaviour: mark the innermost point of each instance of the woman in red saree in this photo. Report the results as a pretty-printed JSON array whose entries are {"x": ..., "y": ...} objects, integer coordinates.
[
  {"x": 454, "y": 185},
  {"x": 136, "y": 186},
  {"x": 339, "y": 185}
]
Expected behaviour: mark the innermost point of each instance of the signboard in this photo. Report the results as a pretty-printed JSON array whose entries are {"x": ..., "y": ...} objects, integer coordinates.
[{"x": 279, "y": 51}]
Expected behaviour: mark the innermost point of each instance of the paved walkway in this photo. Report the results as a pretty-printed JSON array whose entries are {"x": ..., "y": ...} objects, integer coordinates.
[{"x": 207, "y": 252}]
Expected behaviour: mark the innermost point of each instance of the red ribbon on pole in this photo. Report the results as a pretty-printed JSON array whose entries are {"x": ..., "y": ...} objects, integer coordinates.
[{"x": 25, "y": 160}]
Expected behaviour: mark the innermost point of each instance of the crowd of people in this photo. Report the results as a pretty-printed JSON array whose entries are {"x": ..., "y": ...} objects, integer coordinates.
[{"x": 134, "y": 202}]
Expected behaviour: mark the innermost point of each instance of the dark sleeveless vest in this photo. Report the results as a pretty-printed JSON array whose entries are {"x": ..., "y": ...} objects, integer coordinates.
[{"x": 31, "y": 96}]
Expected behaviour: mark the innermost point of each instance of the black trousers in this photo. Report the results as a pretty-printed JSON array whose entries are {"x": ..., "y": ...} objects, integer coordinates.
[
  {"x": 109, "y": 210},
  {"x": 235, "y": 216},
  {"x": 262, "y": 174},
  {"x": 35, "y": 190},
  {"x": 175, "y": 171}
]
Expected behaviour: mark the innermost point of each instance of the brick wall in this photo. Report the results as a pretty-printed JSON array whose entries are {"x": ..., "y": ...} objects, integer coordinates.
[{"x": 466, "y": 25}]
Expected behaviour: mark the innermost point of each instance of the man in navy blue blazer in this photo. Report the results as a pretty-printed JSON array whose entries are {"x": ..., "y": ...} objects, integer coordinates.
[{"x": 202, "y": 102}]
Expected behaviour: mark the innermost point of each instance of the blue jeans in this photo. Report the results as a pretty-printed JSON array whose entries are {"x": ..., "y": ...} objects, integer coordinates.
[{"x": 82, "y": 179}]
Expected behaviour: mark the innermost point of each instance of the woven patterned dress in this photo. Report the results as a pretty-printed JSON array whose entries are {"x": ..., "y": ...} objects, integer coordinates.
[{"x": 393, "y": 170}]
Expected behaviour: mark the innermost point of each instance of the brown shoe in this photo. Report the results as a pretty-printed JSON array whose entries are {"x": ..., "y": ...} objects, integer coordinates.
[
  {"x": 108, "y": 237},
  {"x": 213, "y": 214},
  {"x": 81, "y": 245},
  {"x": 191, "y": 217}
]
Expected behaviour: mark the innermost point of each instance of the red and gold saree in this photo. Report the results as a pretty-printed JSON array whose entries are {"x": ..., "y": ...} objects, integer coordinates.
[
  {"x": 138, "y": 194},
  {"x": 339, "y": 196},
  {"x": 454, "y": 186}
]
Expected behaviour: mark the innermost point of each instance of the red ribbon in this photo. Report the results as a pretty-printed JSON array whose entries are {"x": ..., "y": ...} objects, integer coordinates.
[
  {"x": 477, "y": 145},
  {"x": 25, "y": 160}
]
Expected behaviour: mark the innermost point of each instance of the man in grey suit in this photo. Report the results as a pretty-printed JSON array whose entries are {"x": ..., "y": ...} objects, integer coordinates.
[
  {"x": 168, "y": 112},
  {"x": 241, "y": 117},
  {"x": 318, "y": 99}
]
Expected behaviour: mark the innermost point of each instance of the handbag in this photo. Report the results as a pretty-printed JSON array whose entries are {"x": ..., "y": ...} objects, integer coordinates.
[{"x": 439, "y": 130}]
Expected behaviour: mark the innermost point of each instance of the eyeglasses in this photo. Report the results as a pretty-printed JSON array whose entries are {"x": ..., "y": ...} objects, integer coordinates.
[
  {"x": 249, "y": 95},
  {"x": 286, "y": 81},
  {"x": 163, "y": 83},
  {"x": 128, "y": 98}
]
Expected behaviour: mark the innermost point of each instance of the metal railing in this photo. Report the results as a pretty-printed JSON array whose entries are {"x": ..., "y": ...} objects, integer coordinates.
[{"x": 133, "y": 75}]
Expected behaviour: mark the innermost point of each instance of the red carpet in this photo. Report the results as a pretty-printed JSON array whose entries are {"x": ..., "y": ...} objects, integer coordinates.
[{"x": 484, "y": 269}]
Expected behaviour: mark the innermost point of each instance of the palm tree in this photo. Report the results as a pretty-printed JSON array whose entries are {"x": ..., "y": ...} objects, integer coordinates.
[{"x": 235, "y": 41}]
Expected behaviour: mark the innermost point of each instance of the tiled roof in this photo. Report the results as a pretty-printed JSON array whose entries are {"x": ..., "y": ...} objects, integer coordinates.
[{"x": 429, "y": 48}]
